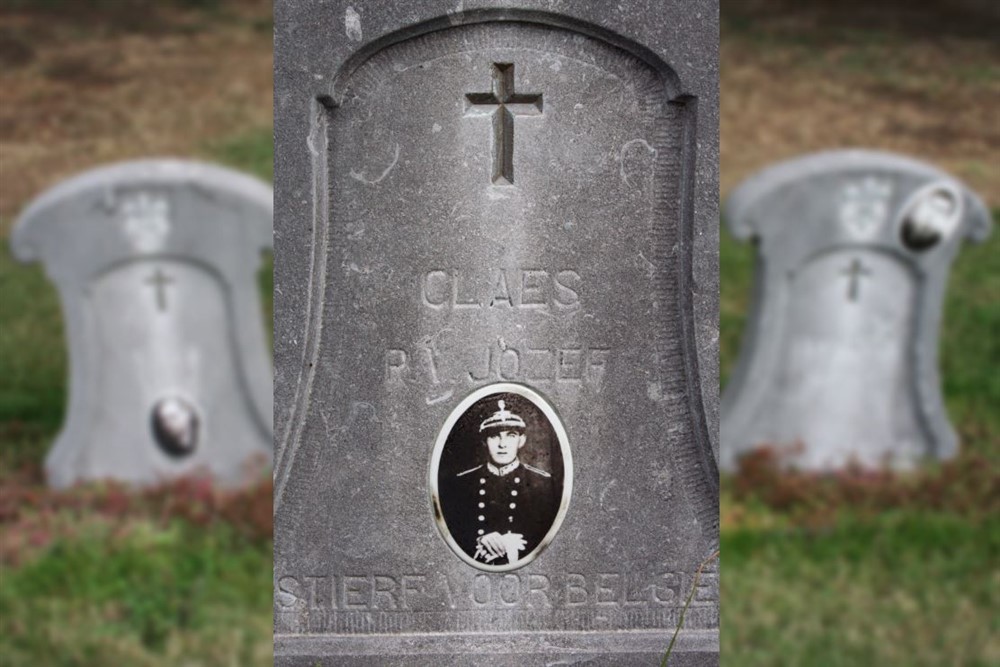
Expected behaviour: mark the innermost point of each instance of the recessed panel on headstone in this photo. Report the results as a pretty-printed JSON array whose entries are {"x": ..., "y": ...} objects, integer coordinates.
[
  {"x": 156, "y": 263},
  {"x": 839, "y": 360},
  {"x": 494, "y": 434}
]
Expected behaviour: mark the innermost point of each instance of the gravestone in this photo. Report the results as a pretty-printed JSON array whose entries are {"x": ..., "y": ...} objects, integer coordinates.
[
  {"x": 156, "y": 265},
  {"x": 838, "y": 366},
  {"x": 496, "y": 332}
]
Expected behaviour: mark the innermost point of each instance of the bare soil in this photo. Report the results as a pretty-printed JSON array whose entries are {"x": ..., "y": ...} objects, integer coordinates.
[
  {"x": 913, "y": 77},
  {"x": 87, "y": 83}
]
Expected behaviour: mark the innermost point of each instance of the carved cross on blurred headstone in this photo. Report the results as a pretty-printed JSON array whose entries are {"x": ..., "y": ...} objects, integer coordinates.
[
  {"x": 159, "y": 281},
  {"x": 855, "y": 271}
]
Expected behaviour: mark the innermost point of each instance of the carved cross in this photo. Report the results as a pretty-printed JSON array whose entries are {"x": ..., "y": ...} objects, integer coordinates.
[
  {"x": 503, "y": 104},
  {"x": 854, "y": 272},
  {"x": 159, "y": 280}
]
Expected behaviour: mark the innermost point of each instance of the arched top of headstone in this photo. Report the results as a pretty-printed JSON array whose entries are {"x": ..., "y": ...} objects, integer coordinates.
[
  {"x": 147, "y": 207},
  {"x": 472, "y": 23},
  {"x": 864, "y": 191}
]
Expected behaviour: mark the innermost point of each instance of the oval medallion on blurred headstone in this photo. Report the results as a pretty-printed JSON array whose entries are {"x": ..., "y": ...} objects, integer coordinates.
[{"x": 175, "y": 426}]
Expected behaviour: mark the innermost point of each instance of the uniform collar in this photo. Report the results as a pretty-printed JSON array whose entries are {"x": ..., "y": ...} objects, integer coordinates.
[{"x": 500, "y": 472}]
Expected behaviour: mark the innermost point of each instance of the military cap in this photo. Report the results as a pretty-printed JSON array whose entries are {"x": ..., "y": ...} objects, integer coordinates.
[{"x": 502, "y": 418}]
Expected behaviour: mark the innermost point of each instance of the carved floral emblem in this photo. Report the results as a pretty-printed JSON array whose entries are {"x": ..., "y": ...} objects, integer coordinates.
[
  {"x": 146, "y": 220},
  {"x": 864, "y": 206}
]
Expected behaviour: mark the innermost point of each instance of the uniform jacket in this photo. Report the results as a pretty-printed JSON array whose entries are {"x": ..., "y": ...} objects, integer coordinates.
[{"x": 480, "y": 501}]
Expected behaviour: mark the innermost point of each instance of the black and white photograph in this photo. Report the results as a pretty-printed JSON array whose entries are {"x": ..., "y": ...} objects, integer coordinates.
[
  {"x": 501, "y": 471},
  {"x": 175, "y": 423}
]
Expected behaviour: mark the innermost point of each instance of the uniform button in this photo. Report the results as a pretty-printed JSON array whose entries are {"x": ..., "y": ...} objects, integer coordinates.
[
  {"x": 513, "y": 505},
  {"x": 513, "y": 493},
  {"x": 517, "y": 480},
  {"x": 482, "y": 480},
  {"x": 482, "y": 518},
  {"x": 482, "y": 492},
  {"x": 482, "y": 505},
  {"x": 511, "y": 519},
  {"x": 481, "y": 531}
]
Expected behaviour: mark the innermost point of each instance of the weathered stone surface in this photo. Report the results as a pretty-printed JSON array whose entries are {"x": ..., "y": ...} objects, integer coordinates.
[
  {"x": 156, "y": 262},
  {"x": 839, "y": 359},
  {"x": 475, "y": 205}
]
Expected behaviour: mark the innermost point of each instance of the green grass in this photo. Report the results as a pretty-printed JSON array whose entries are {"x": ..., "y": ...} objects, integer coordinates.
[
  {"x": 139, "y": 593},
  {"x": 970, "y": 346},
  {"x": 32, "y": 353},
  {"x": 902, "y": 589},
  {"x": 251, "y": 151}
]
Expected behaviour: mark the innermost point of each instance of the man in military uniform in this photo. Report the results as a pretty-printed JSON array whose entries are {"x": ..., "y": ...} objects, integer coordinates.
[{"x": 500, "y": 510}]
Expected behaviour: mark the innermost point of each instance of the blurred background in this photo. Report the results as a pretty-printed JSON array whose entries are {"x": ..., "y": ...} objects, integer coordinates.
[
  {"x": 850, "y": 570},
  {"x": 869, "y": 569},
  {"x": 179, "y": 575}
]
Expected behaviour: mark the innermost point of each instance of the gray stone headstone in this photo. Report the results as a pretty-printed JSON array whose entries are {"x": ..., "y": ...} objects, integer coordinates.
[
  {"x": 496, "y": 332},
  {"x": 155, "y": 262},
  {"x": 838, "y": 365}
]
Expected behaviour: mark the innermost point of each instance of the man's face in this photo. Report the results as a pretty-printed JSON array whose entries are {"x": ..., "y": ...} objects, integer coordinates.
[{"x": 504, "y": 445}]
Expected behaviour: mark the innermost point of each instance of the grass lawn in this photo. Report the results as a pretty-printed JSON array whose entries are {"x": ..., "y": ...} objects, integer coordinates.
[
  {"x": 139, "y": 591},
  {"x": 902, "y": 588}
]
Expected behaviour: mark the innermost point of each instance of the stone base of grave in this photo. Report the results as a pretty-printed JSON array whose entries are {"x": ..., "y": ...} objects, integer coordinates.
[{"x": 692, "y": 648}]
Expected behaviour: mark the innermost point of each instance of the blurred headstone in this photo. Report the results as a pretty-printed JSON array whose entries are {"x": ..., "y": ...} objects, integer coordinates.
[
  {"x": 156, "y": 264},
  {"x": 496, "y": 334},
  {"x": 838, "y": 366}
]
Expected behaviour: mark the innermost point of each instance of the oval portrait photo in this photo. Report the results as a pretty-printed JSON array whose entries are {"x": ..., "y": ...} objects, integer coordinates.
[{"x": 501, "y": 476}]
